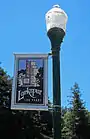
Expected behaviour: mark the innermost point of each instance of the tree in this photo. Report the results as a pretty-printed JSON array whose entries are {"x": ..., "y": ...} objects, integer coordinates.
[
  {"x": 79, "y": 114},
  {"x": 5, "y": 88},
  {"x": 67, "y": 126},
  {"x": 76, "y": 120}
]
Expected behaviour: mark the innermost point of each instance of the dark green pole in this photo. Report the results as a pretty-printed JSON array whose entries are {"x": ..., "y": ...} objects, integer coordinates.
[{"x": 56, "y": 36}]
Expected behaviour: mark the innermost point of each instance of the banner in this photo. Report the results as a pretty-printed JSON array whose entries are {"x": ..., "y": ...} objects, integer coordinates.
[{"x": 29, "y": 90}]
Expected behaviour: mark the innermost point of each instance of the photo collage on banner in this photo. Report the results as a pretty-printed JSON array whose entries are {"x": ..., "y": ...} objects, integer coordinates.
[{"x": 30, "y": 82}]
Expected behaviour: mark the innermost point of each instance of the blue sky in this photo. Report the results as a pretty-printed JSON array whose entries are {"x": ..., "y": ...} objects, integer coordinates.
[{"x": 23, "y": 30}]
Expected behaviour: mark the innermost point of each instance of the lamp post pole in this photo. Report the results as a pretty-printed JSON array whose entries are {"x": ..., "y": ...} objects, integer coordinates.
[
  {"x": 56, "y": 32},
  {"x": 56, "y": 37}
]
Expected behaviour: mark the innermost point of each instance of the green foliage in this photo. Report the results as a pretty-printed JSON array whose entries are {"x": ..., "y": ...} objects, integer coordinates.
[
  {"x": 67, "y": 126},
  {"x": 76, "y": 120},
  {"x": 5, "y": 81},
  {"x": 80, "y": 120},
  {"x": 5, "y": 87}
]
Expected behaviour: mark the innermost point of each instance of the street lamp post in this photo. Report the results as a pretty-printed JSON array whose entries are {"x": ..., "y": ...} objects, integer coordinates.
[{"x": 56, "y": 20}]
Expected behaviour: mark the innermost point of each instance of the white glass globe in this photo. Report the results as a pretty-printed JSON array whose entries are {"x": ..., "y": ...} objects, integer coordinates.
[{"x": 56, "y": 17}]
